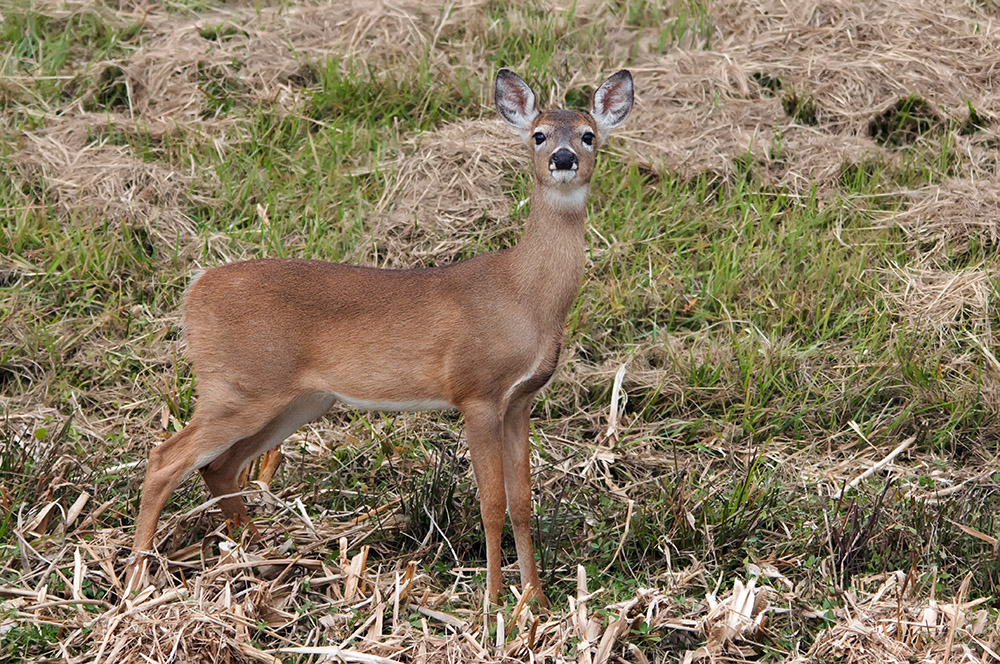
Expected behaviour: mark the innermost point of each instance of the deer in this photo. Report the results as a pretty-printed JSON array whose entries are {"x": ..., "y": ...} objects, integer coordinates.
[{"x": 274, "y": 343}]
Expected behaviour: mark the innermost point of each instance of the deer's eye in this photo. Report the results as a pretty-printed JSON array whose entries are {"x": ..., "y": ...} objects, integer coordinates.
[
  {"x": 539, "y": 137},
  {"x": 588, "y": 138}
]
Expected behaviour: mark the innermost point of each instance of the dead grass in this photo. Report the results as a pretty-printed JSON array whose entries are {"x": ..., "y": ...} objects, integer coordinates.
[
  {"x": 312, "y": 589},
  {"x": 935, "y": 299},
  {"x": 853, "y": 60},
  {"x": 85, "y": 176},
  {"x": 891, "y": 624},
  {"x": 266, "y": 55},
  {"x": 951, "y": 216},
  {"x": 306, "y": 604},
  {"x": 468, "y": 161}
]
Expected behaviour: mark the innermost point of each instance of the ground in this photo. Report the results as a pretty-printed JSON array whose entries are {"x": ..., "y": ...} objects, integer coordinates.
[{"x": 775, "y": 428}]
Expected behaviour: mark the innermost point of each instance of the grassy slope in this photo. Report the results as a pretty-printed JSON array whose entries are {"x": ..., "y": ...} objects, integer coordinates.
[{"x": 766, "y": 334}]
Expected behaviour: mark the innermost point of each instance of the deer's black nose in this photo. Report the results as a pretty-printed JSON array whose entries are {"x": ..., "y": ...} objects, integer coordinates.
[{"x": 562, "y": 160}]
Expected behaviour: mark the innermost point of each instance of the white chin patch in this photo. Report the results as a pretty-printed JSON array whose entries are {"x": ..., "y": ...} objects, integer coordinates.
[{"x": 562, "y": 175}]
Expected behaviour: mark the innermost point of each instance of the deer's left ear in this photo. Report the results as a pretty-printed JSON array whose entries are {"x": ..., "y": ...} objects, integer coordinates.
[{"x": 612, "y": 103}]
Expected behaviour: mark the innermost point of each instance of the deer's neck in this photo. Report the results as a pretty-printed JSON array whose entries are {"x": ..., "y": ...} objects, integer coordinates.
[{"x": 549, "y": 259}]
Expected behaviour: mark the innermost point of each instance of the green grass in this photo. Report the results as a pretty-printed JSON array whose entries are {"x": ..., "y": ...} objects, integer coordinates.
[
  {"x": 356, "y": 94},
  {"x": 771, "y": 333}
]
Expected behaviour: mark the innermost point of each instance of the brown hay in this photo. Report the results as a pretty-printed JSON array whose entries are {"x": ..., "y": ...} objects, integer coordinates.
[
  {"x": 948, "y": 217},
  {"x": 95, "y": 181},
  {"x": 678, "y": 127},
  {"x": 936, "y": 299},
  {"x": 447, "y": 188},
  {"x": 893, "y": 626},
  {"x": 268, "y": 55},
  {"x": 701, "y": 109},
  {"x": 242, "y": 598},
  {"x": 238, "y": 600},
  {"x": 857, "y": 59}
]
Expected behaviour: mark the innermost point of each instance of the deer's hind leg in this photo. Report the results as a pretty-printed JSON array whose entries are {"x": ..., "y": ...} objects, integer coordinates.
[
  {"x": 211, "y": 433},
  {"x": 222, "y": 474}
]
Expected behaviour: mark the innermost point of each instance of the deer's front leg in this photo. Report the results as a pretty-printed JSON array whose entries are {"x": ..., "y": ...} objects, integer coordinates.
[
  {"x": 484, "y": 430},
  {"x": 517, "y": 479}
]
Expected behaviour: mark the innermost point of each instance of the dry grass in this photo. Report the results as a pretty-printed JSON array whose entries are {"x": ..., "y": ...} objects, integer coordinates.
[
  {"x": 87, "y": 177},
  {"x": 721, "y": 111},
  {"x": 950, "y": 216},
  {"x": 468, "y": 162},
  {"x": 853, "y": 60},
  {"x": 891, "y": 625},
  {"x": 929, "y": 298}
]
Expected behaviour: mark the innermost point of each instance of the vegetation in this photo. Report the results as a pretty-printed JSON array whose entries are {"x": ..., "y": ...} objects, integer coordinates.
[{"x": 797, "y": 266}]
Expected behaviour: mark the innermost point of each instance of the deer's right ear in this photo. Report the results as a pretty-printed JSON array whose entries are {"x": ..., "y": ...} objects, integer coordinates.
[{"x": 515, "y": 101}]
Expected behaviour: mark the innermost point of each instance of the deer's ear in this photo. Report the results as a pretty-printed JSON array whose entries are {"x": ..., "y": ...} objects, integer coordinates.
[
  {"x": 515, "y": 101},
  {"x": 612, "y": 103}
]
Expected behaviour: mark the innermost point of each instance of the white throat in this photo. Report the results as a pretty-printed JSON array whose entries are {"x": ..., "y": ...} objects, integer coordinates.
[{"x": 574, "y": 199}]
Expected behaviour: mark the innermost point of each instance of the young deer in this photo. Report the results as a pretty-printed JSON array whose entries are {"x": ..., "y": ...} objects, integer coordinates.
[{"x": 274, "y": 343}]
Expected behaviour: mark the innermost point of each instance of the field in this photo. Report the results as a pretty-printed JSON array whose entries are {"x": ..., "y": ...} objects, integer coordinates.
[{"x": 792, "y": 269}]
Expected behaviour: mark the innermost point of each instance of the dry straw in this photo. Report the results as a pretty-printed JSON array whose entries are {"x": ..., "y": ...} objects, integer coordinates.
[
  {"x": 928, "y": 298},
  {"x": 731, "y": 87},
  {"x": 97, "y": 182},
  {"x": 950, "y": 216},
  {"x": 851, "y": 60},
  {"x": 468, "y": 161}
]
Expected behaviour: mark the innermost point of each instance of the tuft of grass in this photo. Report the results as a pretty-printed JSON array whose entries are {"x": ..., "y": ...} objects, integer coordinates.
[
  {"x": 975, "y": 121},
  {"x": 111, "y": 89},
  {"x": 44, "y": 47},
  {"x": 221, "y": 86},
  {"x": 220, "y": 32},
  {"x": 26, "y": 638},
  {"x": 678, "y": 22},
  {"x": 904, "y": 122},
  {"x": 800, "y": 107},
  {"x": 419, "y": 99},
  {"x": 770, "y": 84},
  {"x": 541, "y": 45}
]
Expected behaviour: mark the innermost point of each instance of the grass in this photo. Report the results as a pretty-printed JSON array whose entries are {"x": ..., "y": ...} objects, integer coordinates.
[{"x": 759, "y": 325}]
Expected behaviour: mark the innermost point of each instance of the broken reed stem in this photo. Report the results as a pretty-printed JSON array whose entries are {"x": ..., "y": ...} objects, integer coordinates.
[{"x": 877, "y": 466}]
